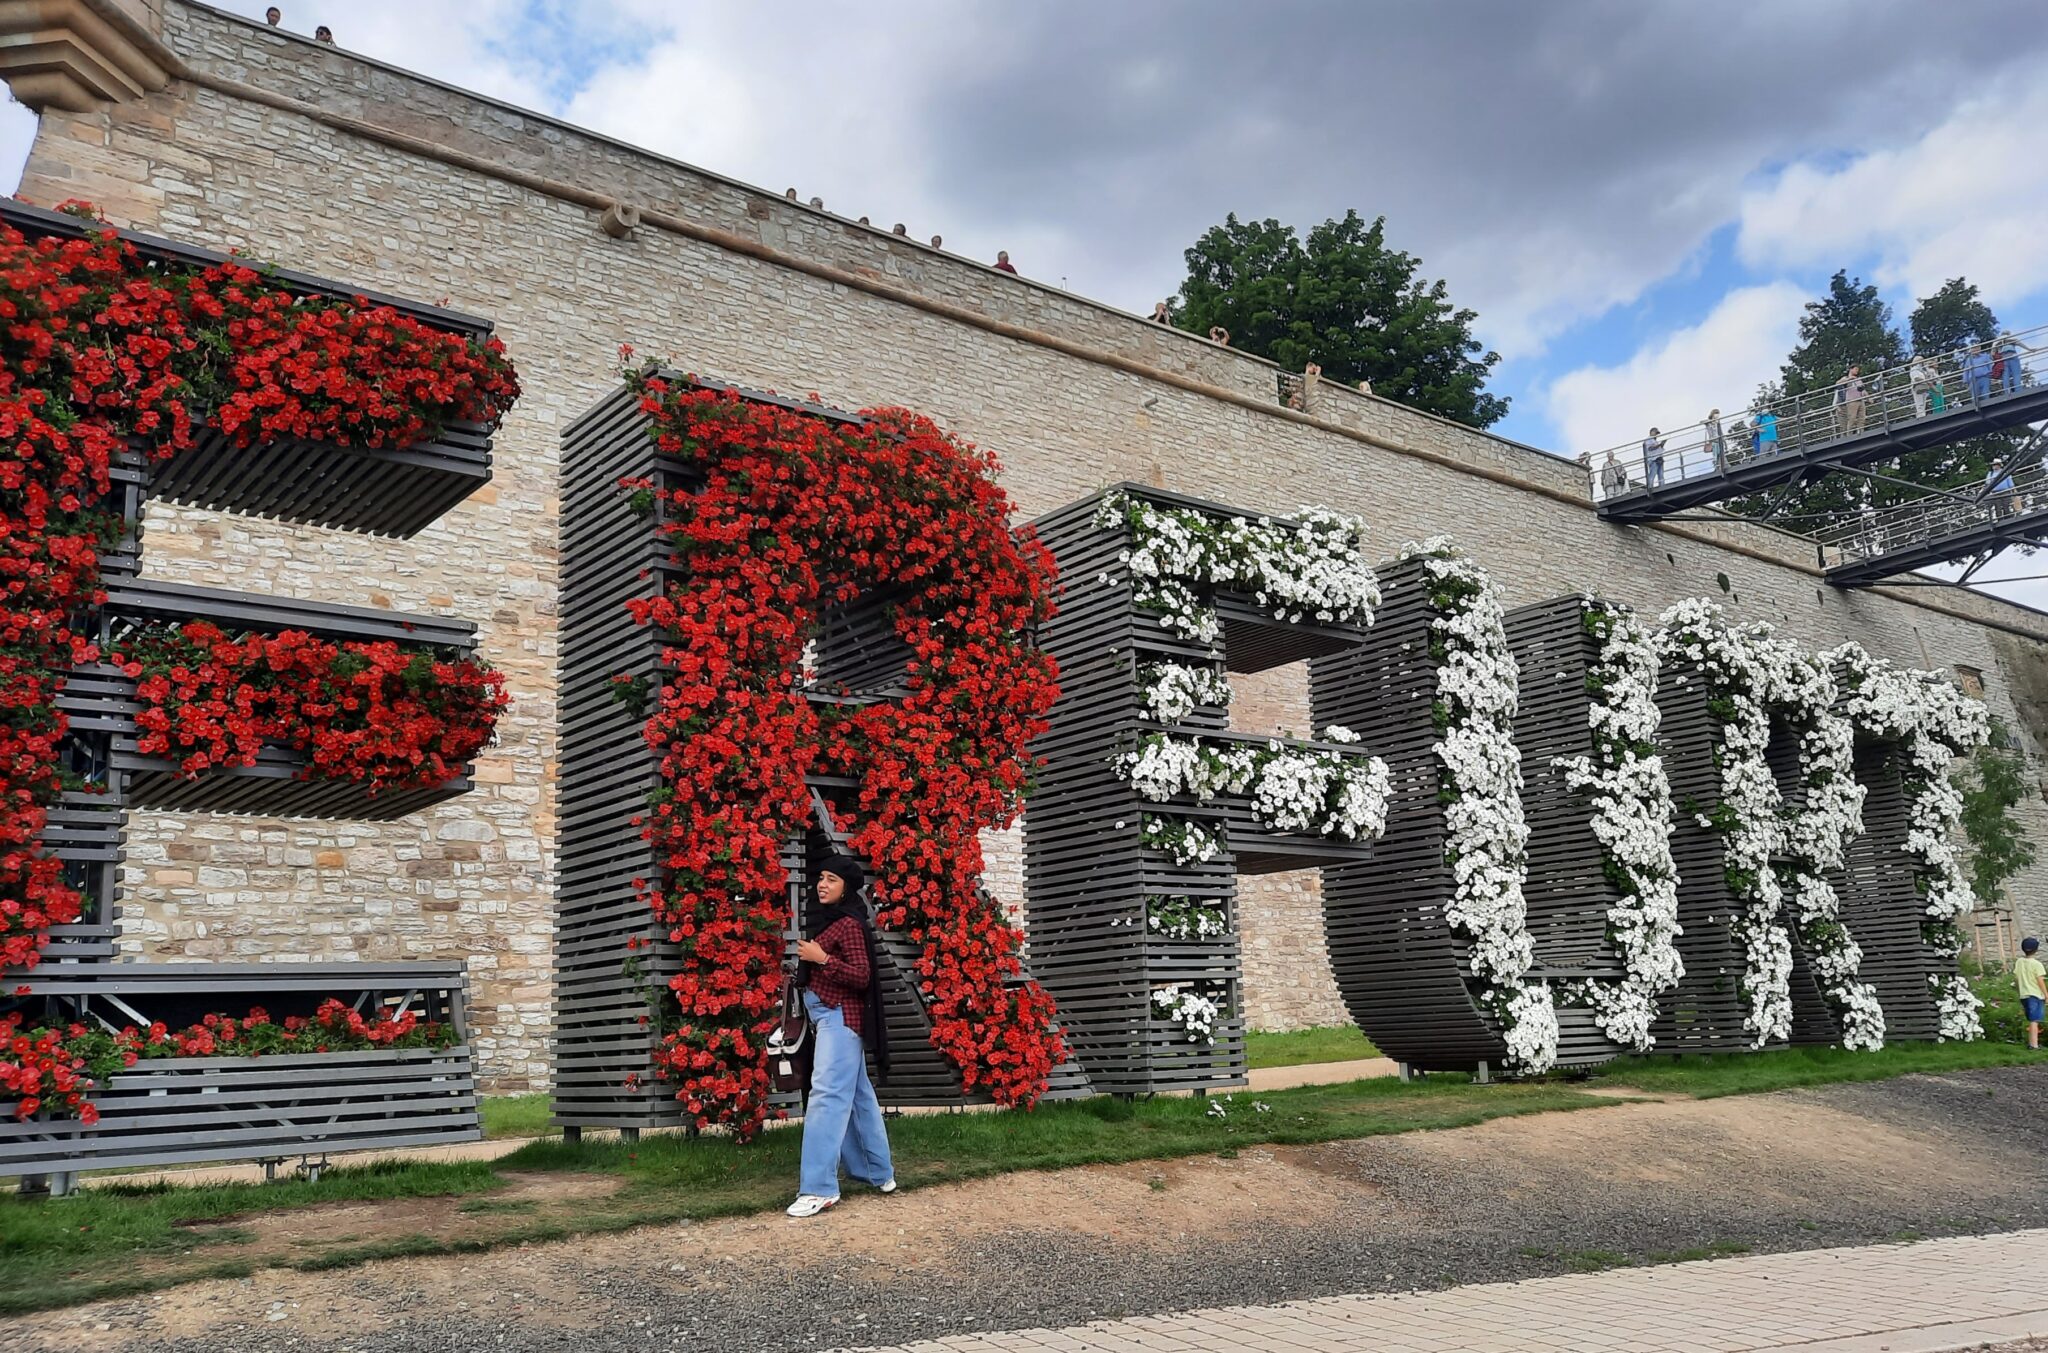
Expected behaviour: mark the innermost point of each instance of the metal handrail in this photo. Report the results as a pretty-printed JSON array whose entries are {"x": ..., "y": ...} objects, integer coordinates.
[
  {"x": 1926, "y": 387},
  {"x": 1874, "y": 532}
]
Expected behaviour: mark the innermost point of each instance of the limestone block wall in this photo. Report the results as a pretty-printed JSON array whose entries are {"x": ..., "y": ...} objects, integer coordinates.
[{"x": 283, "y": 148}]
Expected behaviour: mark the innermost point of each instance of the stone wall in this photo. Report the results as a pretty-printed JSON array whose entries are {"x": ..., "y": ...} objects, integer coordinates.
[{"x": 750, "y": 287}]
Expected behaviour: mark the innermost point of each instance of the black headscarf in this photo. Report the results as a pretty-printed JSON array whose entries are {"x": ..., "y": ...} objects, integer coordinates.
[{"x": 820, "y": 916}]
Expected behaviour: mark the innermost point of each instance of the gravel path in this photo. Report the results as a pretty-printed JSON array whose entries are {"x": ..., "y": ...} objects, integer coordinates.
[{"x": 1514, "y": 1198}]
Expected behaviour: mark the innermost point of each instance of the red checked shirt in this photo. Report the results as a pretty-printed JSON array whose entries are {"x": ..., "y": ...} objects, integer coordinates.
[{"x": 844, "y": 981}]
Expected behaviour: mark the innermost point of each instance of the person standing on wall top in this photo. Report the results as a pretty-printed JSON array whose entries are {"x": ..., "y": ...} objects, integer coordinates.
[
  {"x": 838, "y": 968},
  {"x": 1003, "y": 262},
  {"x": 1716, "y": 440},
  {"x": 1653, "y": 459},
  {"x": 2030, "y": 975}
]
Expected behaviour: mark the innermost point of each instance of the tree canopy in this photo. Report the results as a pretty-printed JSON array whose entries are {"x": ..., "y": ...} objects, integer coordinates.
[
  {"x": 1995, "y": 784},
  {"x": 1346, "y": 301},
  {"x": 1951, "y": 318}
]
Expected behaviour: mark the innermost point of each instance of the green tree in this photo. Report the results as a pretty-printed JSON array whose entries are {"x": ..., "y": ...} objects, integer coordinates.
[
  {"x": 1994, "y": 784},
  {"x": 1953, "y": 317},
  {"x": 1344, "y": 300}
]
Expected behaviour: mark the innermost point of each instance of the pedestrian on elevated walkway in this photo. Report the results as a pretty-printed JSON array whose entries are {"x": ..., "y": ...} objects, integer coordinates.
[
  {"x": 2008, "y": 365},
  {"x": 1849, "y": 402},
  {"x": 1766, "y": 432},
  {"x": 1922, "y": 379},
  {"x": 1998, "y": 484},
  {"x": 1613, "y": 477},
  {"x": 840, "y": 972},
  {"x": 1653, "y": 459},
  {"x": 1977, "y": 372}
]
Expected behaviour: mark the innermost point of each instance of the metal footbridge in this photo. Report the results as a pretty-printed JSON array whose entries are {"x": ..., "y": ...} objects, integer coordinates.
[{"x": 1860, "y": 428}]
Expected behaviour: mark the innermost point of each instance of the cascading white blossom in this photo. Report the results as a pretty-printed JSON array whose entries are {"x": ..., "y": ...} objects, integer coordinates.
[
  {"x": 1196, "y": 1007},
  {"x": 1934, "y": 722},
  {"x": 1185, "y": 842},
  {"x": 1173, "y": 690},
  {"x": 1330, "y": 792},
  {"x": 1486, "y": 836},
  {"x": 1631, "y": 815},
  {"x": 1312, "y": 570},
  {"x": 1774, "y": 857}
]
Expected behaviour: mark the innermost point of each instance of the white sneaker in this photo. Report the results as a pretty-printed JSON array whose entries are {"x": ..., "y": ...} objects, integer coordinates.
[
  {"x": 810, "y": 1205},
  {"x": 889, "y": 1187}
]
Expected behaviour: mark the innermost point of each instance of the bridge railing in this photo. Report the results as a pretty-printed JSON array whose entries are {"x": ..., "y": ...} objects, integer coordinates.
[
  {"x": 1926, "y": 387},
  {"x": 1891, "y": 530}
]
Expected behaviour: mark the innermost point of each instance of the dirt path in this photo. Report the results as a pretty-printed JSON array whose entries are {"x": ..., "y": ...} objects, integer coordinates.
[{"x": 1516, "y": 1197}]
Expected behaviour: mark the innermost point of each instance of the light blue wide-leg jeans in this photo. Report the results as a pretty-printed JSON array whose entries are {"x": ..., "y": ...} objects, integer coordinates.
[{"x": 843, "y": 1119}]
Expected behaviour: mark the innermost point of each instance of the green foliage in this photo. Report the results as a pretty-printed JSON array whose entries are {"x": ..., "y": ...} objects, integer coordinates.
[
  {"x": 1993, "y": 785},
  {"x": 1849, "y": 327},
  {"x": 1344, "y": 300},
  {"x": 1953, "y": 317},
  {"x": 2003, "y": 1018}
]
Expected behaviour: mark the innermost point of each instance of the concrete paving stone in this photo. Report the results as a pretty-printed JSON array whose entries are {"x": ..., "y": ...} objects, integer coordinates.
[{"x": 1888, "y": 1299}]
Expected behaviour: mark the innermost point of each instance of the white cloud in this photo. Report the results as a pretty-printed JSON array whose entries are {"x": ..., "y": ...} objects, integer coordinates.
[
  {"x": 838, "y": 116},
  {"x": 456, "y": 43},
  {"x": 1672, "y": 382},
  {"x": 1964, "y": 199},
  {"x": 17, "y": 134}
]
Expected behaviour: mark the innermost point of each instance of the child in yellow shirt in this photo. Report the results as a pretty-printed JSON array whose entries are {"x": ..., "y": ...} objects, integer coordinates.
[{"x": 2031, "y": 977}]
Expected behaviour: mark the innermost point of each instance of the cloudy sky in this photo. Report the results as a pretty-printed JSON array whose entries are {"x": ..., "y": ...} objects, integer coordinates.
[{"x": 1636, "y": 197}]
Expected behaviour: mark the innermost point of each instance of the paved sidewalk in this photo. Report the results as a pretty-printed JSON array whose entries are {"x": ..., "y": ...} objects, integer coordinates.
[{"x": 1936, "y": 1294}]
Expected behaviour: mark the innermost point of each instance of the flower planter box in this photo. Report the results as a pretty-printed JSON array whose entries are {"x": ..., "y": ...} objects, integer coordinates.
[
  {"x": 178, "y": 1110},
  {"x": 273, "y": 787},
  {"x": 1881, "y": 904},
  {"x": 1402, "y": 971},
  {"x": 185, "y": 1110},
  {"x": 100, "y": 700},
  {"x": 609, "y": 953},
  {"x": 384, "y": 492},
  {"x": 1089, "y": 868}
]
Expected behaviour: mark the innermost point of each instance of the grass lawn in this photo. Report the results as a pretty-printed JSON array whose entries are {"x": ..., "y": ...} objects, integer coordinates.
[
  {"x": 120, "y": 1239},
  {"x": 1336, "y": 1043},
  {"x": 1748, "y": 1073},
  {"x": 516, "y": 1115}
]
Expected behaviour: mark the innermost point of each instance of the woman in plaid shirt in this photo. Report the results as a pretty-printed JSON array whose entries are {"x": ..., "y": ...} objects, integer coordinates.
[{"x": 842, "y": 1118}]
